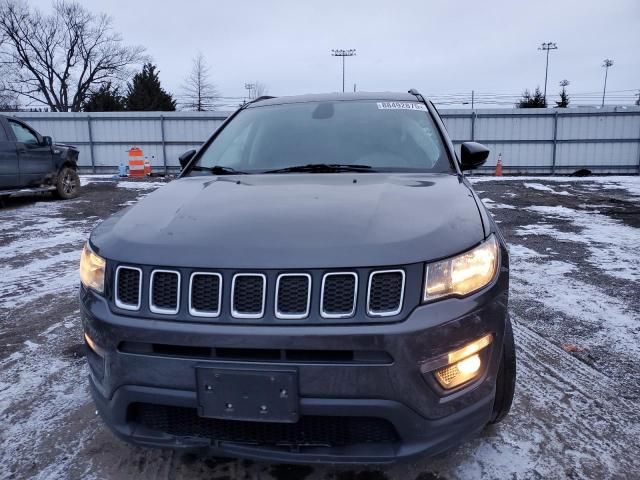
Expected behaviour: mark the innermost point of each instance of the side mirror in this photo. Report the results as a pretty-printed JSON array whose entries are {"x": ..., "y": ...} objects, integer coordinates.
[
  {"x": 186, "y": 157},
  {"x": 472, "y": 155},
  {"x": 47, "y": 141}
]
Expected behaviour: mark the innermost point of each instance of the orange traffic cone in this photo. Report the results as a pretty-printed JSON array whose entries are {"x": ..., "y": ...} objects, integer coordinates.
[
  {"x": 499, "y": 166},
  {"x": 136, "y": 162}
]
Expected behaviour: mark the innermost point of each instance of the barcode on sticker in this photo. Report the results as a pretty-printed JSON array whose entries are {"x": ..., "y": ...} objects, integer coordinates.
[{"x": 401, "y": 106}]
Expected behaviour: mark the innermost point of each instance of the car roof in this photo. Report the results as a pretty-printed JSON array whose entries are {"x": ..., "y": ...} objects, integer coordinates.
[{"x": 334, "y": 97}]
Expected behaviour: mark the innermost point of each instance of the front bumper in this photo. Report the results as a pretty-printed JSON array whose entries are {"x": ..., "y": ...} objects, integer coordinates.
[{"x": 425, "y": 419}]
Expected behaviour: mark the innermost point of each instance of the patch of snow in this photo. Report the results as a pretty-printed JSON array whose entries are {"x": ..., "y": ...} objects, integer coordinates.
[
  {"x": 121, "y": 182},
  {"x": 38, "y": 394},
  {"x": 96, "y": 178},
  {"x": 42, "y": 252},
  {"x": 40, "y": 277},
  {"x": 140, "y": 185},
  {"x": 544, "y": 188},
  {"x": 490, "y": 204},
  {"x": 613, "y": 246},
  {"x": 523, "y": 252},
  {"x": 555, "y": 286},
  {"x": 630, "y": 183}
]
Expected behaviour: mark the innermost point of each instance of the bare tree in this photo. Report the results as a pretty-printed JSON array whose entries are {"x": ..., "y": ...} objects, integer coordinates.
[
  {"x": 8, "y": 101},
  {"x": 57, "y": 59},
  {"x": 200, "y": 93},
  {"x": 260, "y": 89},
  {"x": 5, "y": 96}
]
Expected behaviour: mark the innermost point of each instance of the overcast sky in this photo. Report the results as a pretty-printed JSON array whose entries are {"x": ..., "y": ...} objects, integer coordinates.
[{"x": 441, "y": 47}]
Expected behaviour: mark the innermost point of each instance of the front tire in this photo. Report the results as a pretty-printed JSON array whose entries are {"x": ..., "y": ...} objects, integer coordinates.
[
  {"x": 506, "y": 381},
  {"x": 68, "y": 184}
]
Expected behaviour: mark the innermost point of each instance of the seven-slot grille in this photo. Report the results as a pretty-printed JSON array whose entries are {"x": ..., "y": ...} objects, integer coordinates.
[{"x": 246, "y": 296}]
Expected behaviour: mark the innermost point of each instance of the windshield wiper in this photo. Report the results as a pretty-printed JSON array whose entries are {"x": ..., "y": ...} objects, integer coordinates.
[
  {"x": 323, "y": 168},
  {"x": 220, "y": 170}
]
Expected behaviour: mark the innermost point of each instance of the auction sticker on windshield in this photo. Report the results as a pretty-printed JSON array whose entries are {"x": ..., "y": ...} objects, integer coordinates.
[{"x": 401, "y": 106}]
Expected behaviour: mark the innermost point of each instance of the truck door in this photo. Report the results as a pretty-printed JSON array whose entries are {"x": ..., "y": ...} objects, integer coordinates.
[
  {"x": 35, "y": 157},
  {"x": 8, "y": 160}
]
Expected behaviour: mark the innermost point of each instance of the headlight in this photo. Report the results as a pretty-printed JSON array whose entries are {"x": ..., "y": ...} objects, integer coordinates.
[
  {"x": 462, "y": 274},
  {"x": 92, "y": 269}
]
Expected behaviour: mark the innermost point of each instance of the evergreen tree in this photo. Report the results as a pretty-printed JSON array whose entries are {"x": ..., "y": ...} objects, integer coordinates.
[
  {"x": 564, "y": 97},
  {"x": 536, "y": 100},
  {"x": 106, "y": 99},
  {"x": 145, "y": 92}
]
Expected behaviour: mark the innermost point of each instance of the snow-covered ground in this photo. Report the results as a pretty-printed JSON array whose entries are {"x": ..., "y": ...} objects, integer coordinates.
[
  {"x": 574, "y": 251},
  {"x": 130, "y": 183},
  {"x": 629, "y": 183}
]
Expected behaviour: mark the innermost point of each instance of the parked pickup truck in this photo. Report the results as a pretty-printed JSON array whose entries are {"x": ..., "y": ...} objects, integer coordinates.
[{"x": 32, "y": 162}]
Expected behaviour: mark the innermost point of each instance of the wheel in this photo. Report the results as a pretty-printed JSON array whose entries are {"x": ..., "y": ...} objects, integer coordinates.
[
  {"x": 506, "y": 381},
  {"x": 68, "y": 184}
]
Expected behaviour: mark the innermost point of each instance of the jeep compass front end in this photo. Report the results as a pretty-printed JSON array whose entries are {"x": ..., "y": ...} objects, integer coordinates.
[{"x": 321, "y": 284}]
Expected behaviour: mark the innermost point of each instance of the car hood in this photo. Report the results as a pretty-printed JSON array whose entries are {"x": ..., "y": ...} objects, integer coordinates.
[{"x": 295, "y": 221}]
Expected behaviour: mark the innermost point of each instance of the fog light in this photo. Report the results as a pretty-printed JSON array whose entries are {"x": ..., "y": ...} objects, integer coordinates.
[
  {"x": 460, "y": 372},
  {"x": 469, "y": 366},
  {"x": 470, "y": 349},
  {"x": 464, "y": 364}
]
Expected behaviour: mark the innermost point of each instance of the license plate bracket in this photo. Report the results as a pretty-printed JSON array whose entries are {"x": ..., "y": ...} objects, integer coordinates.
[{"x": 248, "y": 394}]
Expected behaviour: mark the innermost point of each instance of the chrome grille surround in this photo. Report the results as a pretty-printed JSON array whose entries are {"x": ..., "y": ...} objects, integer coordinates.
[
  {"x": 275, "y": 295},
  {"x": 237, "y": 314},
  {"x": 387, "y": 313},
  {"x": 205, "y": 313},
  {"x": 161, "y": 310},
  {"x": 324, "y": 314},
  {"x": 120, "y": 304},
  {"x": 293, "y": 316}
]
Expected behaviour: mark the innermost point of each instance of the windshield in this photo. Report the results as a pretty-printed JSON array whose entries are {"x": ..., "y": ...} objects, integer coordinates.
[{"x": 386, "y": 136}]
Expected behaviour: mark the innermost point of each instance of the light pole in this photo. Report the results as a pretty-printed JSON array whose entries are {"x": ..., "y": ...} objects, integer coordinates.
[
  {"x": 343, "y": 53},
  {"x": 250, "y": 87},
  {"x": 547, "y": 46},
  {"x": 606, "y": 64}
]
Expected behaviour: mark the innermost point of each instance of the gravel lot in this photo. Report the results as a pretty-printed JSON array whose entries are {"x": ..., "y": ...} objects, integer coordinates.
[{"x": 574, "y": 244}]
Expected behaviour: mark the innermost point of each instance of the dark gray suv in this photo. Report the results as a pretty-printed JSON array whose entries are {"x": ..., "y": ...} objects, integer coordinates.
[{"x": 321, "y": 284}]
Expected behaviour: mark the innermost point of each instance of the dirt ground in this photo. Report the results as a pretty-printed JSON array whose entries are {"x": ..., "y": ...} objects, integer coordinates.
[{"x": 575, "y": 286}]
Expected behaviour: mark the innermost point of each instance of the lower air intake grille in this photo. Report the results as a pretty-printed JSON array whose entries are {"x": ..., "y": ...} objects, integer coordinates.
[
  {"x": 338, "y": 294},
  {"x": 309, "y": 431},
  {"x": 128, "y": 288},
  {"x": 164, "y": 291},
  {"x": 248, "y": 296},
  {"x": 385, "y": 292}
]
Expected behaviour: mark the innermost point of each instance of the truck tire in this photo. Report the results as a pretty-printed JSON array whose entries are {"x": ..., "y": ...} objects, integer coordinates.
[
  {"x": 506, "y": 382},
  {"x": 68, "y": 184}
]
